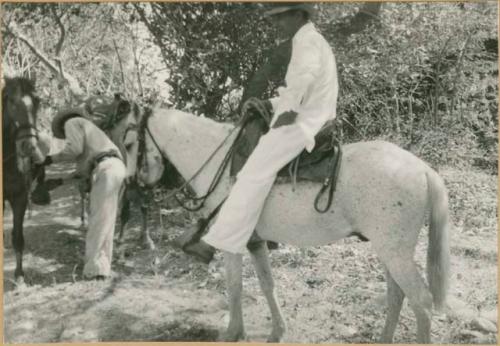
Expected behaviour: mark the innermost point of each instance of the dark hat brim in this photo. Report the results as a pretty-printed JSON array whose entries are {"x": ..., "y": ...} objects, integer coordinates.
[
  {"x": 63, "y": 116},
  {"x": 309, "y": 8}
]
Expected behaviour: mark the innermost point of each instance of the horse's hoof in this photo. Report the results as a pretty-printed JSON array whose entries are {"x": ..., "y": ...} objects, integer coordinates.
[
  {"x": 274, "y": 339},
  {"x": 148, "y": 244},
  {"x": 233, "y": 336},
  {"x": 277, "y": 334}
]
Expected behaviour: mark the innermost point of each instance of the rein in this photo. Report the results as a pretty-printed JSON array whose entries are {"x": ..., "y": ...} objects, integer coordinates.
[{"x": 217, "y": 176}]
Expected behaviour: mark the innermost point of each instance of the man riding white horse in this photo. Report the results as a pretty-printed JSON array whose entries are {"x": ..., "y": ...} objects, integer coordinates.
[
  {"x": 304, "y": 105},
  {"x": 99, "y": 160}
]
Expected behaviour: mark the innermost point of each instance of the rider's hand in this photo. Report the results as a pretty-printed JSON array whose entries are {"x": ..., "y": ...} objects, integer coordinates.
[
  {"x": 285, "y": 118},
  {"x": 261, "y": 106}
]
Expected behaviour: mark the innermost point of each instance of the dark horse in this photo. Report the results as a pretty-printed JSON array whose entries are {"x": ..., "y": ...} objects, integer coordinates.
[{"x": 21, "y": 155}]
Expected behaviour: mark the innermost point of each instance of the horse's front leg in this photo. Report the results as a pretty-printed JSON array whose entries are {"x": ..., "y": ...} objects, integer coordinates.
[
  {"x": 235, "y": 330},
  {"x": 146, "y": 240},
  {"x": 19, "y": 209},
  {"x": 260, "y": 258}
]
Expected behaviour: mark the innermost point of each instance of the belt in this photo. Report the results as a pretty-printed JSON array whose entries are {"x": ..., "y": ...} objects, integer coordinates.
[{"x": 103, "y": 156}]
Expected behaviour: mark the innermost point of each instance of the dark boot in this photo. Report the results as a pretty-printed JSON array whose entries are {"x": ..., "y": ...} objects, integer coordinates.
[
  {"x": 200, "y": 250},
  {"x": 190, "y": 235},
  {"x": 40, "y": 195}
]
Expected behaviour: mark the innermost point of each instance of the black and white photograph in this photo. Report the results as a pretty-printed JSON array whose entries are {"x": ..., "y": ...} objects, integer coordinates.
[{"x": 281, "y": 172}]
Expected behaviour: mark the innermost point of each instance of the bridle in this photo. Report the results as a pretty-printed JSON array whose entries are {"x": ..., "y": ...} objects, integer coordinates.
[
  {"x": 20, "y": 132},
  {"x": 183, "y": 189},
  {"x": 23, "y": 132},
  {"x": 26, "y": 131}
]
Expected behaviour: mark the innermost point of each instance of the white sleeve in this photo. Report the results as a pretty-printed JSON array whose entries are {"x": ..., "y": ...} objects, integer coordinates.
[
  {"x": 303, "y": 69},
  {"x": 74, "y": 143}
]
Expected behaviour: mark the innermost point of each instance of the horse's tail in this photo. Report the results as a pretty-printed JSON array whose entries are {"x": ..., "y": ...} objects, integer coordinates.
[{"x": 438, "y": 252}]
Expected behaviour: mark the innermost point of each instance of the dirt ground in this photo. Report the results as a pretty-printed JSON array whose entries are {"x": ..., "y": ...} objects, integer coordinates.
[{"x": 329, "y": 294}]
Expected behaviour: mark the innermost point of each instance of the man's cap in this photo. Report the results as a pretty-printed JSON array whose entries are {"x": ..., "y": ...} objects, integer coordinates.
[{"x": 282, "y": 7}]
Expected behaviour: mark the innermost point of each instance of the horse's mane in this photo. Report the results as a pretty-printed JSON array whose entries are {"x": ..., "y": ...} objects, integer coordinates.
[
  {"x": 180, "y": 117},
  {"x": 23, "y": 84}
]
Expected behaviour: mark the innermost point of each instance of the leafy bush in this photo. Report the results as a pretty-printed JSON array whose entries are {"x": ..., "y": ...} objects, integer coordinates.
[{"x": 425, "y": 77}]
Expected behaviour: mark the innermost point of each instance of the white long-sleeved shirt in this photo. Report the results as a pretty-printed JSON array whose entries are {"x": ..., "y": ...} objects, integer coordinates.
[
  {"x": 84, "y": 141},
  {"x": 311, "y": 83}
]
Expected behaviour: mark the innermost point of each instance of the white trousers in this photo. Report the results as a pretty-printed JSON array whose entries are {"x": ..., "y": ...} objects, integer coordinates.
[
  {"x": 107, "y": 181},
  {"x": 241, "y": 210}
]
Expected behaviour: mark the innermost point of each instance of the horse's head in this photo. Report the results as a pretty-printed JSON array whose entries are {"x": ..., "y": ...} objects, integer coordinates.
[
  {"x": 124, "y": 122},
  {"x": 20, "y": 106}
]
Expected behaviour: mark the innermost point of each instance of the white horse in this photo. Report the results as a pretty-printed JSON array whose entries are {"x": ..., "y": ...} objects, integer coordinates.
[{"x": 383, "y": 193}]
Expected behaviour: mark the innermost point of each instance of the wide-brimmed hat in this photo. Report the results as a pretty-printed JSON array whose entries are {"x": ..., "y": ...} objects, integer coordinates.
[
  {"x": 281, "y": 7},
  {"x": 63, "y": 116}
]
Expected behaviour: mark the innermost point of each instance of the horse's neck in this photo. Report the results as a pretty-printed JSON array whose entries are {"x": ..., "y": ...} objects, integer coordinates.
[{"x": 188, "y": 142}]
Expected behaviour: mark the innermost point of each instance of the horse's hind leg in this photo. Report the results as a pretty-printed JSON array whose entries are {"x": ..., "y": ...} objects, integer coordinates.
[
  {"x": 18, "y": 209},
  {"x": 395, "y": 298},
  {"x": 235, "y": 330},
  {"x": 260, "y": 257},
  {"x": 405, "y": 273}
]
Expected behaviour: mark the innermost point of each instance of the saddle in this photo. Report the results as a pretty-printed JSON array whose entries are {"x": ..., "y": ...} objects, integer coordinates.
[
  {"x": 313, "y": 166},
  {"x": 320, "y": 165}
]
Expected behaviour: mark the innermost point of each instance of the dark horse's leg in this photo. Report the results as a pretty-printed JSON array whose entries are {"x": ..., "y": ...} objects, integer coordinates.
[{"x": 18, "y": 204}]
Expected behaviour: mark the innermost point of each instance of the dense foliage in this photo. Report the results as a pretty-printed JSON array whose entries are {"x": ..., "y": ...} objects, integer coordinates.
[
  {"x": 426, "y": 77},
  {"x": 421, "y": 75}
]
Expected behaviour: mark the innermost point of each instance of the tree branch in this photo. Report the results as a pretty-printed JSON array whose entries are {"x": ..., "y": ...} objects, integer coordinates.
[
  {"x": 47, "y": 62},
  {"x": 60, "y": 42},
  {"x": 121, "y": 66},
  {"x": 62, "y": 30}
]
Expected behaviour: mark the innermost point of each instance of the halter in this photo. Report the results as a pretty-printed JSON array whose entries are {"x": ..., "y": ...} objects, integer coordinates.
[{"x": 26, "y": 131}]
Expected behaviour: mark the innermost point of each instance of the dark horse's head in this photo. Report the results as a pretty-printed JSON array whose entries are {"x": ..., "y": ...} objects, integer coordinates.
[{"x": 19, "y": 114}]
